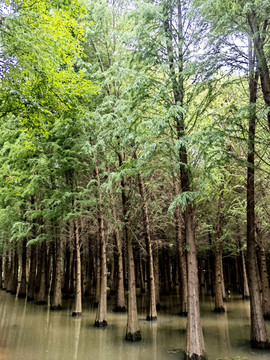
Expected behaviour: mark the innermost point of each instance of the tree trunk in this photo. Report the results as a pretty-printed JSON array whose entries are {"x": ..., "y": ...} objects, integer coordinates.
[
  {"x": 156, "y": 270},
  {"x": 120, "y": 305},
  {"x": 263, "y": 271},
  {"x": 32, "y": 273},
  {"x": 23, "y": 285},
  {"x": 56, "y": 303},
  {"x": 42, "y": 292},
  {"x": 132, "y": 330},
  {"x": 219, "y": 280},
  {"x": 246, "y": 294},
  {"x": 182, "y": 259},
  {"x": 151, "y": 309},
  {"x": 219, "y": 304},
  {"x": 101, "y": 316},
  {"x": 78, "y": 286},
  {"x": 258, "y": 336},
  {"x": 67, "y": 274},
  {"x": 97, "y": 272}
]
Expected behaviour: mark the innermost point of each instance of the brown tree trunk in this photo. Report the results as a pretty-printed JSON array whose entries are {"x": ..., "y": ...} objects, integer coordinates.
[
  {"x": 219, "y": 303},
  {"x": 32, "y": 273},
  {"x": 101, "y": 316},
  {"x": 13, "y": 283},
  {"x": 120, "y": 305},
  {"x": 78, "y": 286},
  {"x": 263, "y": 271},
  {"x": 6, "y": 268},
  {"x": 156, "y": 270},
  {"x": 23, "y": 286},
  {"x": 258, "y": 336},
  {"x": 151, "y": 308},
  {"x": 219, "y": 280},
  {"x": 132, "y": 330},
  {"x": 246, "y": 294},
  {"x": 42, "y": 292},
  {"x": 67, "y": 274},
  {"x": 97, "y": 272},
  {"x": 56, "y": 302},
  {"x": 182, "y": 259}
]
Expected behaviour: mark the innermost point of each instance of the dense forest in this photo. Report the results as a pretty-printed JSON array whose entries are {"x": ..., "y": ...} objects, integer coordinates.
[{"x": 134, "y": 155}]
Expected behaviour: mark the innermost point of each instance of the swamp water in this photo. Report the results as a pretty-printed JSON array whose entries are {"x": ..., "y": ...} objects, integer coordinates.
[{"x": 32, "y": 332}]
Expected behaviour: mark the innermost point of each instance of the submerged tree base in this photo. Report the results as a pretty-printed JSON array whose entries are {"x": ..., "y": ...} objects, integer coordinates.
[
  {"x": 246, "y": 297},
  {"x": 196, "y": 357},
  {"x": 30, "y": 298},
  {"x": 261, "y": 345},
  {"x": 22, "y": 295},
  {"x": 100, "y": 323},
  {"x": 134, "y": 336},
  {"x": 120, "y": 309},
  {"x": 219, "y": 309},
  {"x": 151, "y": 318},
  {"x": 76, "y": 314},
  {"x": 183, "y": 313},
  {"x": 41, "y": 302},
  {"x": 56, "y": 307}
]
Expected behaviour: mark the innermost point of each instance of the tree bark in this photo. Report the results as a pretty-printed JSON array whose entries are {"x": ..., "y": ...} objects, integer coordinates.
[
  {"x": 23, "y": 285},
  {"x": 219, "y": 281},
  {"x": 132, "y": 330},
  {"x": 101, "y": 316},
  {"x": 42, "y": 293},
  {"x": 120, "y": 305},
  {"x": 258, "y": 336},
  {"x": 78, "y": 286},
  {"x": 56, "y": 302},
  {"x": 182, "y": 259},
  {"x": 151, "y": 308},
  {"x": 263, "y": 271}
]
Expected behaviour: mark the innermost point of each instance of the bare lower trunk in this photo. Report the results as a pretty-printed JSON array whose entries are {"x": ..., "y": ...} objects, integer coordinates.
[
  {"x": 246, "y": 294},
  {"x": 23, "y": 285},
  {"x": 120, "y": 305},
  {"x": 56, "y": 303},
  {"x": 151, "y": 309},
  {"x": 195, "y": 341},
  {"x": 101, "y": 316},
  {"x": 182, "y": 260},
  {"x": 32, "y": 273},
  {"x": 132, "y": 331},
  {"x": 219, "y": 304},
  {"x": 42, "y": 293},
  {"x": 78, "y": 286},
  {"x": 97, "y": 273},
  {"x": 67, "y": 275},
  {"x": 156, "y": 270},
  {"x": 263, "y": 271}
]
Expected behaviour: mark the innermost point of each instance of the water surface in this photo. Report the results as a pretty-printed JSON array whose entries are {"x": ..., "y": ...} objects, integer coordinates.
[{"x": 33, "y": 332}]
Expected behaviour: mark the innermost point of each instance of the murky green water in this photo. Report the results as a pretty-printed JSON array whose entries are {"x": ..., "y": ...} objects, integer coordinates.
[{"x": 33, "y": 332}]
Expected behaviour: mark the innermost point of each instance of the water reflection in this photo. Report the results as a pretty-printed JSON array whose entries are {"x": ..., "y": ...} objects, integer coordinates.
[{"x": 33, "y": 332}]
